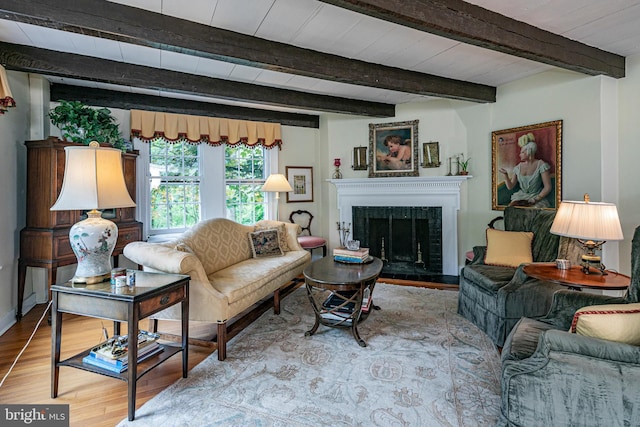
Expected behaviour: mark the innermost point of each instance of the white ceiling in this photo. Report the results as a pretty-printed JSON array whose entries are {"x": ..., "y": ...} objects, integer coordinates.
[{"x": 611, "y": 25}]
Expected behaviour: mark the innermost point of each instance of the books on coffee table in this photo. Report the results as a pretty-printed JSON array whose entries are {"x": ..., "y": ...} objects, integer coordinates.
[
  {"x": 337, "y": 308},
  {"x": 345, "y": 255}
]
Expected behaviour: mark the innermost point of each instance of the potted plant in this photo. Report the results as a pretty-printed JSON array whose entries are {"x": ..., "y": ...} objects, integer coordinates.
[
  {"x": 82, "y": 124},
  {"x": 463, "y": 166}
]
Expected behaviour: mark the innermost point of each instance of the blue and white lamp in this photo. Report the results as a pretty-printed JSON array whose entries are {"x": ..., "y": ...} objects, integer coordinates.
[{"x": 93, "y": 180}]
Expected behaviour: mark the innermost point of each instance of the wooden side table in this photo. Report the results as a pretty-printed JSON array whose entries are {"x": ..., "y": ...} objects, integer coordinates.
[
  {"x": 575, "y": 279},
  {"x": 153, "y": 292}
]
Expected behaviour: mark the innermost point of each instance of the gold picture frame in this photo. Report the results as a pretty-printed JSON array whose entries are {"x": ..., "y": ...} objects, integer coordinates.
[
  {"x": 393, "y": 149},
  {"x": 510, "y": 150},
  {"x": 430, "y": 154}
]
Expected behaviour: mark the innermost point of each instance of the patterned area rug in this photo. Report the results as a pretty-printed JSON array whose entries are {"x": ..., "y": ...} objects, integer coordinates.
[{"x": 424, "y": 365}]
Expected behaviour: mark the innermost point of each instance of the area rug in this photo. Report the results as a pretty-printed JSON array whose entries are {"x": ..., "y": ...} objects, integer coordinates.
[{"x": 424, "y": 365}]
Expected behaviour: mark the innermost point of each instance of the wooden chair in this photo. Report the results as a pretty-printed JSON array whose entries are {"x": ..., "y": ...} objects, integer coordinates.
[{"x": 307, "y": 241}]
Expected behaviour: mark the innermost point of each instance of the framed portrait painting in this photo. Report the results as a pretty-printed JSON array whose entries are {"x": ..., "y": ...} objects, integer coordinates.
[
  {"x": 526, "y": 166},
  {"x": 393, "y": 149},
  {"x": 301, "y": 180}
]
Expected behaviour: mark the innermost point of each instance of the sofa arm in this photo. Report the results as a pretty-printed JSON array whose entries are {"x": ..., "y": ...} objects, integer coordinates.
[
  {"x": 162, "y": 258},
  {"x": 478, "y": 254},
  {"x": 593, "y": 348},
  {"x": 566, "y": 302},
  {"x": 293, "y": 230}
]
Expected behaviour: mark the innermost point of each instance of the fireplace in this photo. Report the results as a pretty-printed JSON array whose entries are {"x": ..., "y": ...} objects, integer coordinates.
[
  {"x": 407, "y": 239},
  {"x": 441, "y": 192}
]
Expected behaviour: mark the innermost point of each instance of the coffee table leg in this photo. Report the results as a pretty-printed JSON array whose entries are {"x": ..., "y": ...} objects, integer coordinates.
[
  {"x": 314, "y": 329},
  {"x": 315, "y": 310},
  {"x": 356, "y": 335}
]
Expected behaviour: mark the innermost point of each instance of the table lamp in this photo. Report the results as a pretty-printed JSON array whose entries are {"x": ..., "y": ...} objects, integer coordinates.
[
  {"x": 93, "y": 180},
  {"x": 275, "y": 184},
  {"x": 591, "y": 223}
]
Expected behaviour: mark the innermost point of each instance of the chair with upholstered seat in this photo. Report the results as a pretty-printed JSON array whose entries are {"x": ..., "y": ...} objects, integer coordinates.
[
  {"x": 562, "y": 370},
  {"x": 308, "y": 241}
]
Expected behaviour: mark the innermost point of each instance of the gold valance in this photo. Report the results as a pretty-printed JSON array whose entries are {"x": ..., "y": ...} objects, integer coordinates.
[
  {"x": 6, "y": 99},
  {"x": 148, "y": 125}
]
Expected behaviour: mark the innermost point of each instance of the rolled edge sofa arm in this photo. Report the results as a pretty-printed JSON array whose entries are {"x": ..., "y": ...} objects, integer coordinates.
[
  {"x": 566, "y": 302},
  {"x": 161, "y": 258}
]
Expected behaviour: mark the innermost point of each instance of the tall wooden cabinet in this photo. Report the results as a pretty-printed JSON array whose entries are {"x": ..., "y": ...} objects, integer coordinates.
[{"x": 44, "y": 242}]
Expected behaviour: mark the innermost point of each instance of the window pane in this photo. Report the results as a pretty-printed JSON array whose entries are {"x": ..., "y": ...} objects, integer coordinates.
[
  {"x": 244, "y": 172},
  {"x": 174, "y": 185},
  {"x": 158, "y": 216}
]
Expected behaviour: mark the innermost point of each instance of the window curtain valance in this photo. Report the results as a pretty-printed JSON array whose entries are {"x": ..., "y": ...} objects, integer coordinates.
[
  {"x": 6, "y": 99},
  {"x": 148, "y": 125}
]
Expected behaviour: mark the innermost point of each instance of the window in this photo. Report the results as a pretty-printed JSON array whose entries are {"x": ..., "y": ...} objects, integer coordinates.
[
  {"x": 188, "y": 183},
  {"x": 174, "y": 186},
  {"x": 244, "y": 177}
]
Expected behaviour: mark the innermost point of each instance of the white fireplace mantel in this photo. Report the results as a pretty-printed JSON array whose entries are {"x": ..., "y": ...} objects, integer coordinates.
[{"x": 437, "y": 191}]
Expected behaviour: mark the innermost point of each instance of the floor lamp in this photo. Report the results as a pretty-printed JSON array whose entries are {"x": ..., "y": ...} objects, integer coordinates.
[
  {"x": 275, "y": 184},
  {"x": 93, "y": 180}
]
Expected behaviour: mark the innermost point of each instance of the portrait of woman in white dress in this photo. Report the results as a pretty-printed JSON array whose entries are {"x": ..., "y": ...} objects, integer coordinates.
[
  {"x": 531, "y": 174},
  {"x": 526, "y": 166}
]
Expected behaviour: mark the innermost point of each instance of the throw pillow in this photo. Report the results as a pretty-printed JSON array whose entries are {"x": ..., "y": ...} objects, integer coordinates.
[
  {"x": 613, "y": 322},
  {"x": 282, "y": 232},
  {"x": 265, "y": 243},
  {"x": 508, "y": 248}
]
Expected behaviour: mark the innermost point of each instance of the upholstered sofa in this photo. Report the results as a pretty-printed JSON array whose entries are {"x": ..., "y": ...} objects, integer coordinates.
[
  {"x": 554, "y": 377},
  {"x": 230, "y": 265},
  {"x": 493, "y": 296}
]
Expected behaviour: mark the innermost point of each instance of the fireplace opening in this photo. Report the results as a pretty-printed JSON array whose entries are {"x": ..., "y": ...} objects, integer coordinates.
[{"x": 408, "y": 239}]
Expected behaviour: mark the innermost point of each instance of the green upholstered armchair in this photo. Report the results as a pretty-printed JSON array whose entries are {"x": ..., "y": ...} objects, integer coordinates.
[
  {"x": 495, "y": 297},
  {"x": 551, "y": 377}
]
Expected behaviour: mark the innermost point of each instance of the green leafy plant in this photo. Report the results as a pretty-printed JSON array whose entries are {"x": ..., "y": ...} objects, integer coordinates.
[
  {"x": 464, "y": 165},
  {"x": 82, "y": 124}
]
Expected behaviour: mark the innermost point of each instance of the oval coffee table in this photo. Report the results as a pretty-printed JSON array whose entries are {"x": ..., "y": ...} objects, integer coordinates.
[{"x": 336, "y": 292}]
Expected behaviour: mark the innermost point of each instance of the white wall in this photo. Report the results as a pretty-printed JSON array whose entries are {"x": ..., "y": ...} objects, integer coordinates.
[
  {"x": 629, "y": 155},
  {"x": 14, "y": 130},
  {"x": 557, "y": 95},
  {"x": 300, "y": 147}
]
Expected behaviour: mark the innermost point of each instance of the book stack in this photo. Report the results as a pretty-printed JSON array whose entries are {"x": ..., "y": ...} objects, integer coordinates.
[
  {"x": 113, "y": 354},
  {"x": 358, "y": 256},
  {"x": 335, "y": 307}
]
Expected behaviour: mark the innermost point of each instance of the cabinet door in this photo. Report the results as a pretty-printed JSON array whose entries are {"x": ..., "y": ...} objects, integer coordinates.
[{"x": 129, "y": 170}]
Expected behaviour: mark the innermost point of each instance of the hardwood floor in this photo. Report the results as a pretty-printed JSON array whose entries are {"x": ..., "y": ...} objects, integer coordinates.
[{"x": 94, "y": 400}]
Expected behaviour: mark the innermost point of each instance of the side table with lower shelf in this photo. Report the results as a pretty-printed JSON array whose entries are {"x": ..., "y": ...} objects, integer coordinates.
[
  {"x": 153, "y": 292},
  {"x": 575, "y": 279},
  {"x": 327, "y": 275}
]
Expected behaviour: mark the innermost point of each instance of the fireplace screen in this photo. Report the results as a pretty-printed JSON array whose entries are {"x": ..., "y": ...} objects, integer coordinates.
[{"x": 407, "y": 239}]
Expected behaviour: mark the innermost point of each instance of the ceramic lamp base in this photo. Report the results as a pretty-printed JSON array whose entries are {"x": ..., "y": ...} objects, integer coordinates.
[{"x": 93, "y": 241}]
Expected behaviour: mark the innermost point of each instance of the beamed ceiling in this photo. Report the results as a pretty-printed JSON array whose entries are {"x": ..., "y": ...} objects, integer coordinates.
[{"x": 292, "y": 60}]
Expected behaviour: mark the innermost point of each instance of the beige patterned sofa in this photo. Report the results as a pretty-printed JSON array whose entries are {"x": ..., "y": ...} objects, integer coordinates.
[{"x": 226, "y": 278}]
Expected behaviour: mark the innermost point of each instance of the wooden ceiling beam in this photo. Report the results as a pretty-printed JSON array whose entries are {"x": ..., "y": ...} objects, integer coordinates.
[
  {"x": 48, "y": 62},
  {"x": 471, "y": 24},
  {"x": 127, "y": 24},
  {"x": 138, "y": 101}
]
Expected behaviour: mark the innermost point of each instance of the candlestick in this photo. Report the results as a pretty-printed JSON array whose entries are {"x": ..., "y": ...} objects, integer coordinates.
[{"x": 337, "y": 174}]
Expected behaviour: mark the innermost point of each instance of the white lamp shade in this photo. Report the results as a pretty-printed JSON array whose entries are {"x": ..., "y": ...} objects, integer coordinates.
[
  {"x": 276, "y": 183},
  {"x": 93, "y": 179},
  {"x": 587, "y": 221}
]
